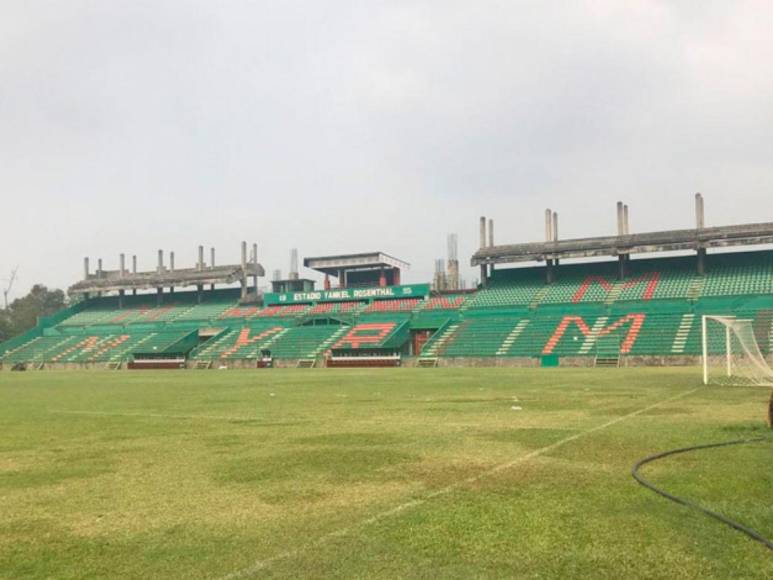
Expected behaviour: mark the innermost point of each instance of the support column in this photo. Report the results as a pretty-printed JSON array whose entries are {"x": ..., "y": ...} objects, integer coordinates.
[
  {"x": 199, "y": 288},
  {"x": 255, "y": 264},
  {"x": 549, "y": 274},
  {"x": 620, "y": 233},
  {"x": 120, "y": 298},
  {"x": 483, "y": 268},
  {"x": 491, "y": 242},
  {"x": 699, "y": 225},
  {"x": 243, "y": 279},
  {"x": 159, "y": 296},
  {"x": 555, "y": 238}
]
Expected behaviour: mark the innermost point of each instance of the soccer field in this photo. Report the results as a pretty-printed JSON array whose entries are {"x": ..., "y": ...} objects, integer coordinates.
[{"x": 443, "y": 473}]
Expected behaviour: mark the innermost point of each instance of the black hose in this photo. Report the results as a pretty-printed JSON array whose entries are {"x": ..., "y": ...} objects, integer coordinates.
[{"x": 753, "y": 534}]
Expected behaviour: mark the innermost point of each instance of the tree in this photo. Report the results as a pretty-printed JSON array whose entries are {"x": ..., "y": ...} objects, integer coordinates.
[{"x": 23, "y": 313}]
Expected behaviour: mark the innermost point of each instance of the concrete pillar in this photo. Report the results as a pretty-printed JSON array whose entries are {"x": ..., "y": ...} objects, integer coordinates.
[
  {"x": 548, "y": 239},
  {"x": 85, "y": 268},
  {"x": 200, "y": 265},
  {"x": 699, "y": 215},
  {"x": 199, "y": 288},
  {"x": 120, "y": 298},
  {"x": 243, "y": 279},
  {"x": 171, "y": 261},
  {"x": 483, "y": 269},
  {"x": 491, "y": 241},
  {"x": 626, "y": 230},
  {"x": 212, "y": 257},
  {"x": 700, "y": 224},
  {"x": 255, "y": 264},
  {"x": 159, "y": 296},
  {"x": 620, "y": 232},
  {"x": 134, "y": 264},
  {"x": 123, "y": 265},
  {"x": 548, "y": 225},
  {"x": 160, "y": 266}
]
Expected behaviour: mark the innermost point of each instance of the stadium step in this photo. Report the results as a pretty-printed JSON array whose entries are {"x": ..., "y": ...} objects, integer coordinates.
[
  {"x": 682, "y": 333},
  {"x": 433, "y": 349},
  {"x": 325, "y": 344},
  {"x": 427, "y": 362},
  {"x": 695, "y": 290},
  {"x": 614, "y": 293},
  {"x": 590, "y": 340},
  {"x": 306, "y": 363},
  {"x": 607, "y": 362},
  {"x": 539, "y": 296},
  {"x": 512, "y": 337}
]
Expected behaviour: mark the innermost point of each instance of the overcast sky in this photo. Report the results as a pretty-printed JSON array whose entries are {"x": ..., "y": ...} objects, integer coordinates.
[{"x": 127, "y": 126}]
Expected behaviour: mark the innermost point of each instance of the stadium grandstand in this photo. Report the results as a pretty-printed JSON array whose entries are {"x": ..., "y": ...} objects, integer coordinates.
[{"x": 622, "y": 310}]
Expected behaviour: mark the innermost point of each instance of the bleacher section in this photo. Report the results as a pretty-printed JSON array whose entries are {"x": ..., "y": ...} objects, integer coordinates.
[{"x": 586, "y": 312}]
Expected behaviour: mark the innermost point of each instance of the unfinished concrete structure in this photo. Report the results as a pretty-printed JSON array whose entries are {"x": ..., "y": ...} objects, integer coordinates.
[
  {"x": 120, "y": 281},
  {"x": 622, "y": 245}
]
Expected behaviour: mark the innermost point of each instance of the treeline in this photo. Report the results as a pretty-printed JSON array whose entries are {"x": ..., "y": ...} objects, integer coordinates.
[{"x": 22, "y": 314}]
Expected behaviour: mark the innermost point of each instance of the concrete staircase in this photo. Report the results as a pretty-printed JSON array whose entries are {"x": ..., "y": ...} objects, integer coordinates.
[
  {"x": 682, "y": 333},
  {"x": 614, "y": 293},
  {"x": 695, "y": 289},
  {"x": 539, "y": 297},
  {"x": 436, "y": 346},
  {"x": 325, "y": 344},
  {"x": 590, "y": 340},
  {"x": 512, "y": 337}
]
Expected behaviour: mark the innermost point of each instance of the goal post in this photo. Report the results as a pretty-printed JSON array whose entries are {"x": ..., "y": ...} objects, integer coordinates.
[{"x": 731, "y": 353}]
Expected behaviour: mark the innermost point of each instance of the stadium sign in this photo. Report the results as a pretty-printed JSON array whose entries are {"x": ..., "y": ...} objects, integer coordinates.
[{"x": 342, "y": 294}]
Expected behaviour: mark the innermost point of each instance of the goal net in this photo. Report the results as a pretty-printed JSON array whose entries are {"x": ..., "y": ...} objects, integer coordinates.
[{"x": 731, "y": 353}]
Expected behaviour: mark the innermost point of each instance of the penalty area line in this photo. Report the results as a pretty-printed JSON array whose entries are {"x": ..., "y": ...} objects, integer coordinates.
[{"x": 259, "y": 565}]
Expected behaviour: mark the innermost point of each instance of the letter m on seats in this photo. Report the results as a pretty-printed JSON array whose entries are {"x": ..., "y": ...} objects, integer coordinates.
[{"x": 634, "y": 320}]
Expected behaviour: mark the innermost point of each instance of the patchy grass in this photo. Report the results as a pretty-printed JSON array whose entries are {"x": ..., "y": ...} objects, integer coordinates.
[{"x": 378, "y": 473}]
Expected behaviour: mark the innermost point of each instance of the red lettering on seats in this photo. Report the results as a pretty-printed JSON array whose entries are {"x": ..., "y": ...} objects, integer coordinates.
[{"x": 636, "y": 321}]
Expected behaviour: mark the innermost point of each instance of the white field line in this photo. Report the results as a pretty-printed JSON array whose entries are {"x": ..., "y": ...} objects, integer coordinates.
[
  {"x": 157, "y": 415},
  {"x": 262, "y": 564}
]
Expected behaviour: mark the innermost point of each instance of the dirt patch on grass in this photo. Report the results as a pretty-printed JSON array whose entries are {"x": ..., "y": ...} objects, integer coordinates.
[
  {"x": 363, "y": 439},
  {"x": 329, "y": 464}
]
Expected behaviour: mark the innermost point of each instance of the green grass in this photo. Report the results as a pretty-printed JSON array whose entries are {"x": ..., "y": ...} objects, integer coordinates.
[{"x": 376, "y": 473}]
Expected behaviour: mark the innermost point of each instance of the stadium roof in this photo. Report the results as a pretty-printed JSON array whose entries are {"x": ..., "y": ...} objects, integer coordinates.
[
  {"x": 367, "y": 260},
  {"x": 664, "y": 241},
  {"x": 115, "y": 280}
]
